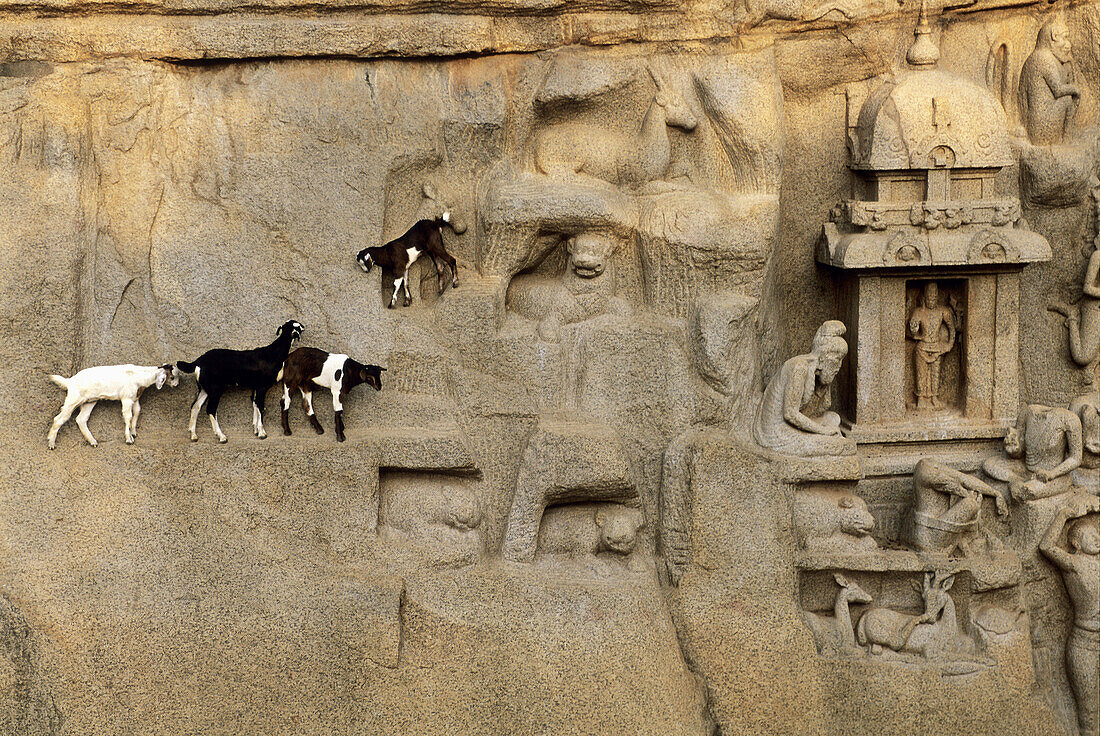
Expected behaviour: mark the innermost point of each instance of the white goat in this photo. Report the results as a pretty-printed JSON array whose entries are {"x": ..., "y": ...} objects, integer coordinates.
[{"x": 113, "y": 383}]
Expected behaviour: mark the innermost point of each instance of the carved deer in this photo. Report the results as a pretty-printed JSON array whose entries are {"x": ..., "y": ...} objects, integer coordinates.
[
  {"x": 625, "y": 160},
  {"x": 838, "y": 633},
  {"x": 921, "y": 634}
]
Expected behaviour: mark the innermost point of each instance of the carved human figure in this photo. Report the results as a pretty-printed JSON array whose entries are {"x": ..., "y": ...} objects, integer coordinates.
[
  {"x": 793, "y": 416},
  {"x": 1080, "y": 565},
  {"x": 1043, "y": 448},
  {"x": 1048, "y": 99},
  {"x": 1084, "y": 322},
  {"x": 1087, "y": 409},
  {"x": 932, "y": 325},
  {"x": 947, "y": 508}
]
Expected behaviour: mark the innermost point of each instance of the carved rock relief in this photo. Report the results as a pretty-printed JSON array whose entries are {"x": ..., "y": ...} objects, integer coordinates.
[{"x": 621, "y": 226}]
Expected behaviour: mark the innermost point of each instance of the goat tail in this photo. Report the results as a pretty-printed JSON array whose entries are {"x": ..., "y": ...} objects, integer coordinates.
[
  {"x": 184, "y": 366},
  {"x": 60, "y": 381}
]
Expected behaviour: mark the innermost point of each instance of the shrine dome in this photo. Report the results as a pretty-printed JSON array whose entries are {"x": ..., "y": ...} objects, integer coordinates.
[{"x": 928, "y": 119}]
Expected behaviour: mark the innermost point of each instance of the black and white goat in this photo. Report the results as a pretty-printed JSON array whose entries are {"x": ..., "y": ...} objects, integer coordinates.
[
  {"x": 257, "y": 370},
  {"x": 310, "y": 368},
  {"x": 398, "y": 255},
  {"x": 109, "y": 382}
]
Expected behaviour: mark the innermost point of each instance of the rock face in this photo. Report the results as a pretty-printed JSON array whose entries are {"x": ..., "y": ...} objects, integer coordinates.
[{"x": 556, "y": 516}]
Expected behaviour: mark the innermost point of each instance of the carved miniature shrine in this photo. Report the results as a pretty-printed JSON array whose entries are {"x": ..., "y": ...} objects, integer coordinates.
[{"x": 927, "y": 256}]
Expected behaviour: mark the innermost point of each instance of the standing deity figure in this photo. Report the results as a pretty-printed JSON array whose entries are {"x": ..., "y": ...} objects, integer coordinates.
[
  {"x": 1080, "y": 566},
  {"x": 1043, "y": 448},
  {"x": 793, "y": 416},
  {"x": 932, "y": 325},
  {"x": 1048, "y": 98}
]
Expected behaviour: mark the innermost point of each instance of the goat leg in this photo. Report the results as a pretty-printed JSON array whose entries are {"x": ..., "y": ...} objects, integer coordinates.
[
  {"x": 286, "y": 410},
  {"x": 340, "y": 426}
]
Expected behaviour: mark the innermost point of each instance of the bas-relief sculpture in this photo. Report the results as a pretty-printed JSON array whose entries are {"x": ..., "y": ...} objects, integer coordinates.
[
  {"x": 932, "y": 326},
  {"x": 1044, "y": 447},
  {"x": 594, "y": 457},
  {"x": 947, "y": 511},
  {"x": 1080, "y": 568},
  {"x": 1048, "y": 97},
  {"x": 794, "y": 416}
]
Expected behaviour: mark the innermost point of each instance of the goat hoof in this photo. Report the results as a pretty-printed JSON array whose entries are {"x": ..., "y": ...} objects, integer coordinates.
[
  {"x": 222, "y": 440},
  {"x": 262, "y": 436},
  {"x": 454, "y": 284},
  {"x": 340, "y": 438},
  {"x": 94, "y": 444},
  {"x": 319, "y": 430},
  {"x": 194, "y": 438},
  {"x": 286, "y": 433},
  {"x": 129, "y": 442}
]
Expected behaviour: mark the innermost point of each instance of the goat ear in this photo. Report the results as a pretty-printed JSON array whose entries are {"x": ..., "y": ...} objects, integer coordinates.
[
  {"x": 162, "y": 376},
  {"x": 840, "y": 580},
  {"x": 947, "y": 582},
  {"x": 600, "y": 517},
  {"x": 429, "y": 191}
]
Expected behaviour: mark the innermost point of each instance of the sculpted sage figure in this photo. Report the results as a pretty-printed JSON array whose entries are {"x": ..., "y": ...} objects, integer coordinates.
[
  {"x": 793, "y": 417},
  {"x": 1048, "y": 99},
  {"x": 1080, "y": 566}
]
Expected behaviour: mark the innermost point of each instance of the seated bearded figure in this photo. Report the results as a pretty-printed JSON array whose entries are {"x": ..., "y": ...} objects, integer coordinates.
[
  {"x": 1042, "y": 450},
  {"x": 793, "y": 417}
]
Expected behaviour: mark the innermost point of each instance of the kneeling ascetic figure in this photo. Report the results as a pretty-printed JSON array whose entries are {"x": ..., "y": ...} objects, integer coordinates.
[{"x": 793, "y": 417}]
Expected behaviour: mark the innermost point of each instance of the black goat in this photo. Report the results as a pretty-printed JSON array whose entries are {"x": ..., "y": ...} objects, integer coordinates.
[
  {"x": 310, "y": 368},
  {"x": 257, "y": 369},
  {"x": 426, "y": 236}
]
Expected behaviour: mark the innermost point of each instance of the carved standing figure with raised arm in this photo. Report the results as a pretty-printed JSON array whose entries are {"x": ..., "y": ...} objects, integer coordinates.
[
  {"x": 793, "y": 417},
  {"x": 932, "y": 325},
  {"x": 1043, "y": 448},
  {"x": 1080, "y": 565},
  {"x": 1083, "y": 322},
  {"x": 1048, "y": 99}
]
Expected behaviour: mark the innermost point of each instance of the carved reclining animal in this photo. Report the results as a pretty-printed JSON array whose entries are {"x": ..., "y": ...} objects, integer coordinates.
[
  {"x": 309, "y": 368},
  {"x": 921, "y": 634}
]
